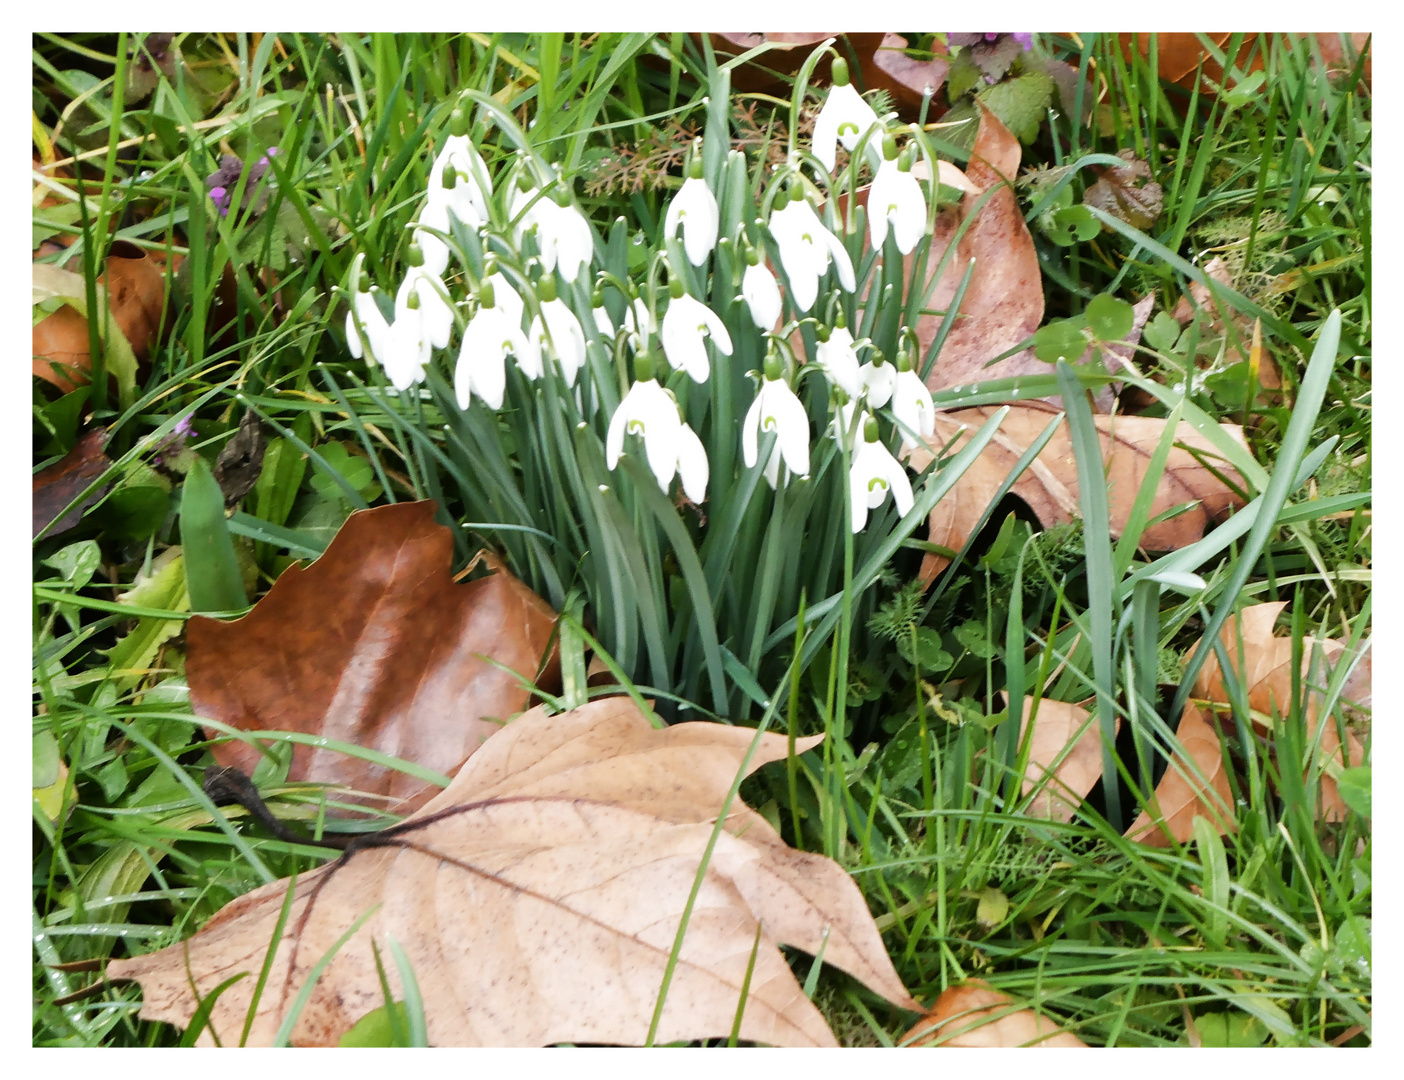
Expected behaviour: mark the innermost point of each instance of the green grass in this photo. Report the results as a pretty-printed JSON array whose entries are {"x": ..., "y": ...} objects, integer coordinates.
[{"x": 1264, "y": 934}]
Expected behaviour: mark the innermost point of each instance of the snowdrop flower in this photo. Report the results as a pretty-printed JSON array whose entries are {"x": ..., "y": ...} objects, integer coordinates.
[
  {"x": 670, "y": 445},
  {"x": 432, "y": 307},
  {"x": 601, "y": 315},
  {"x": 508, "y": 299},
  {"x": 895, "y": 198},
  {"x": 878, "y": 378},
  {"x": 777, "y": 409},
  {"x": 407, "y": 349},
  {"x": 637, "y": 315},
  {"x": 872, "y": 475},
  {"x": 462, "y": 157},
  {"x": 761, "y": 293},
  {"x": 562, "y": 233},
  {"x": 911, "y": 403},
  {"x": 695, "y": 207},
  {"x": 364, "y": 322},
  {"x": 844, "y": 118},
  {"x": 558, "y": 328},
  {"x": 685, "y": 324},
  {"x": 806, "y": 248},
  {"x": 836, "y": 356},
  {"x": 490, "y": 336}
]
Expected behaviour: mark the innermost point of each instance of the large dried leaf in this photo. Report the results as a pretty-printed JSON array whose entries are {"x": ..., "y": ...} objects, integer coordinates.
[
  {"x": 1050, "y": 486},
  {"x": 1004, "y": 302},
  {"x": 373, "y": 644},
  {"x": 902, "y": 76},
  {"x": 1058, "y": 724},
  {"x": 1181, "y": 796},
  {"x": 974, "y": 1013},
  {"x": 538, "y": 898},
  {"x": 1264, "y": 667}
]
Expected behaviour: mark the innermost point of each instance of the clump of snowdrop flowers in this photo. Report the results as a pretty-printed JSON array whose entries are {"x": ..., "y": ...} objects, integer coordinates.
[{"x": 644, "y": 351}]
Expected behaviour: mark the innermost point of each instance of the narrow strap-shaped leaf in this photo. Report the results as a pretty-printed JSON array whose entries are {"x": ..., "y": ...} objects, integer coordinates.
[{"x": 211, "y": 568}]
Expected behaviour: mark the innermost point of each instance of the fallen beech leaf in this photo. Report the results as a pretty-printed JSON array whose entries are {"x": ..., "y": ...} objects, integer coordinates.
[
  {"x": 1179, "y": 54},
  {"x": 238, "y": 466},
  {"x": 788, "y": 55},
  {"x": 134, "y": 288},
  {"x": 59, "y": 484},
  {"x": 1180, "y": 797},
  {"x": 1050, "y": 487},
  {"x": 976, "y": 1014},
  {"x": 1264, "y": 667},
  {"x": 538, "y": 898},
  {"x": 1128, "y": 192},
  {"x": 373, "y": 644},
  {"x": 1004, "y": 302},
  {"x": 1056, "y": 725}
]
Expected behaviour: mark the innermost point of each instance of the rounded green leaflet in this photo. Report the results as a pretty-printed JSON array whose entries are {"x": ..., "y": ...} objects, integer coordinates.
[
  {"x": 1111, "y": 319},
  {"x": 1061, "y": 339},
  {"x": 1072, "y": 224}
]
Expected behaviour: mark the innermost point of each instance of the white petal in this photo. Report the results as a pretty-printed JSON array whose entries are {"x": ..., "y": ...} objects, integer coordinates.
[
  {"x": 878, "y": 383},
  {"x": 762, "y": 296},
  {"x": 750, "y": 428},
  {"x": 720, "y": 337},
  {"x": 842, "y": 262},
  {"x": 858, "y": 495},
  {"x": 353, "y": 336},
  {"x": 602, "y": 323},
  {"x": 792, "y": 426},
  {"x": 693, "y": 469}
]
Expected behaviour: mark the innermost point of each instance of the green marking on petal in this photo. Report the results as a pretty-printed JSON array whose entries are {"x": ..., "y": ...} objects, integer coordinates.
[{"x": 877, "y": 482}]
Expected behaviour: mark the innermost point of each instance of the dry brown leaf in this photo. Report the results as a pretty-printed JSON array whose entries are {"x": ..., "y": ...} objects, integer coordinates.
[
  {"x": 373, "y": 644},
  {"x": 905, "y": 78},
  {"x": 1050, "y": 488},
  {"x": 1180, "y": 797},
  {"x": 538, "y": 898},
  {"x": 1056, "y": 725},
  {"x": 1180, "y": 54},
  {"x": 976, "y": 1014},
  {"x": 59, "y": 484},
  {"x": 1264, "y": 667},
  {"x": 1004, "y": 302},
  {"x": 136, "y": 289},
  {"x": 788, "y": 55}
]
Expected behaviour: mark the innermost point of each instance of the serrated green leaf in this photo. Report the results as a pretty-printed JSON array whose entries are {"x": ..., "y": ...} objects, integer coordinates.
[{"x": 1021, "y": 104}]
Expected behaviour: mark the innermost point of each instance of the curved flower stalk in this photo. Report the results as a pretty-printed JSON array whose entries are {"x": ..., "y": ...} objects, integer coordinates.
[
  {"x": 873, "y": 474},
  {"x": 895, "y": 199},
  {"x": 777, "y": 409},
  {"x": 482, "y": 358},
  {"x": 845, "y": 118},
  {"x": 670, "y": 445},
  {"x": 761, "y": 292},
  {"x": 686, "y": 325},
  {"x": 806, "y": 249},
  {"x": 911, "y": 403},
  {"x": 695, "y": 208},
  {"x": 878, "y": 379},
  {"x": 836, "y": 357},
  {"x": 558, "y": 330}
]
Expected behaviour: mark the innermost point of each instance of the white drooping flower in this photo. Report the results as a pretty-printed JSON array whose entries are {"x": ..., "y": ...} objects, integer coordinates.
[
  {"x": 602, "y": 321},
  {"x": 472, "y": 185},
  {"x": 482, "y": 360},
  {"x": 895, "y": 199},
  {"x": 872, "y": 475},
  {"x": 558, "y": 329},
  {"x": 637, "y": 315},
  {"x": 670, "y": 445},
  {"x": 844, "y": 118},
  {"x": 695, "y": 208},
  {"x": 839, "y": 361},
  {"x": 777, "y": 409},
  {"x": 406, "y": 353},
  {"x": 762, "y": 295},
  {"x": 366, "y": 328},
  {"x": 686, "y": 325},
  {"x": 877, "y": 380},
  {"x": 430, "y": 306},
  {"x": 912, "y": 405},
  {"x": 508, "y": 299},
  {"x": 566, "y": 241},
  {"x": 806, "y": 248}
]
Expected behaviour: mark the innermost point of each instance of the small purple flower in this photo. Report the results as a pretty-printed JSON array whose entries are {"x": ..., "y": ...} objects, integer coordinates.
[
  {"x": 221, "y": 199},
  {"x": 1025, "y": 41},
  {"x": 174, "y": 443}
]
